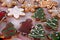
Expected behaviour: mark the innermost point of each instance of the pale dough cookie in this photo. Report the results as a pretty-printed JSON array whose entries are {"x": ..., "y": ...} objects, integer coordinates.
[
  {"x": 29, "y": 6},
  {"x": 47, "y": 3},
  {"x": 8, "y": 3},
  {"x": 16, "y": 12},
  {"x": 55, "y": 12}
]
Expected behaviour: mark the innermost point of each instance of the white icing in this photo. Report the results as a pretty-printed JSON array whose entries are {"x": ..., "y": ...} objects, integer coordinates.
[{"x": 16, "y": 12}]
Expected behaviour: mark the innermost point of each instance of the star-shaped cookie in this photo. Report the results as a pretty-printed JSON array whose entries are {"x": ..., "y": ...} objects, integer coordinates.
[
  {"x": 16, "y": 12},
  {"x": 29, "y": 6},
  {"x": 55, "y": 12},
  {"x": 8, "y": 3}
]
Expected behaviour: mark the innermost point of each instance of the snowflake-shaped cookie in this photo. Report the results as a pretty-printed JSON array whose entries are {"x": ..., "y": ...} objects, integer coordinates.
[
  {"x": 16, "y": 12},
  {"x": 8, "y": 3},
  {"x": 47, "y": 3},
  {"x": 55, "y": 12},
  {"x": 29, "y": 6}
]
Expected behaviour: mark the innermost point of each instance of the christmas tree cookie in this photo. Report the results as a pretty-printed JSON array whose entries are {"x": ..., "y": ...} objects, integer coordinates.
[
  {"x": 54, "y": 36},
  {"x": 9, "y": 30},
  {"x": 39, "y": 15},
  {"x": 37, "y": 32},
  {"x": 52, "y": 23}
]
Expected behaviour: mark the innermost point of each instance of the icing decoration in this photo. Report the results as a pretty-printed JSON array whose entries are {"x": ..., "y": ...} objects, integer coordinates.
[{"x": 16, "y": 12}]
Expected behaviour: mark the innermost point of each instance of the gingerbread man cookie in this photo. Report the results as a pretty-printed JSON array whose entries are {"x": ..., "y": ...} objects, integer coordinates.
[
  {"x": 29, "y": 6},
  {"x": 55, "y": 12},
  {"x": 16, "y": 12},
  {"x": 47, "y": 3},
  {"x": 8, "y": 3}
]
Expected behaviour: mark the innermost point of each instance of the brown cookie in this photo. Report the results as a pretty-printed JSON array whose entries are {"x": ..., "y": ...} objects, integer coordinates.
[{"x": 26, "y": 26}]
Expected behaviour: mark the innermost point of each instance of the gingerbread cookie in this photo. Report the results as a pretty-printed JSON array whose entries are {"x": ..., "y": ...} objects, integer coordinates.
[
  {"x": 55, "y": 12},
  {"x": 47, "y": 3},
  {"x": 16, "y": 12},
  {"x": 26, "y": 26},
  {"x": 29, "y": 6},
  {"x": 8, "y": 3}
]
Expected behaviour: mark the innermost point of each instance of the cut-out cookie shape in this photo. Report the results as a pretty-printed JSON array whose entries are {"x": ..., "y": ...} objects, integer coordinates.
[
  {"x": 54, "y": 36},
  {"x": 26, "y": 26},
  {"x": 8, "y": 3},
  {"x": 29, "y": 6},
  {"x": 16, "y": 12},
  {"x": 39, "y": 15},
  {"x": 37, "y": 32},
  {"x": 52, "y": 24},
  {"x": 47, "y": 3},
  {"x": 9, "y": 30},
  {"x": 55, "y": 12}
]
